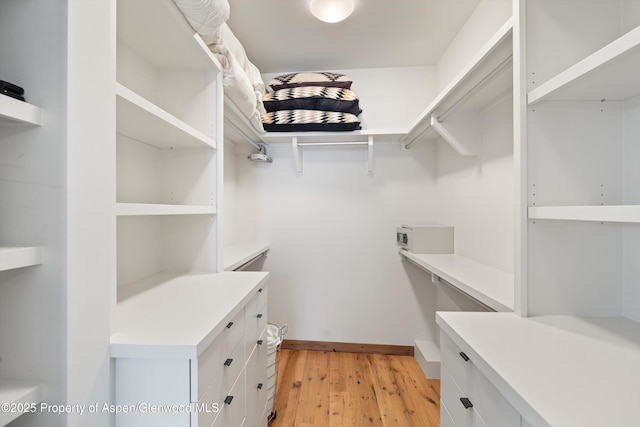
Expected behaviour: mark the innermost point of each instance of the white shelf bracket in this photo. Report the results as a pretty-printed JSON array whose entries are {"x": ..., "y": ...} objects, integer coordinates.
[
  {"x": 370, "y": 155},
  {"x": 297, "y": 154},
  {"x": 466, "y": 140}
]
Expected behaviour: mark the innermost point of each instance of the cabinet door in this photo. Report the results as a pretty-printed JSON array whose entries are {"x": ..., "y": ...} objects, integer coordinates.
[
  {"x": 144, "y": 384},
  {"x": 257, "y": 390}
]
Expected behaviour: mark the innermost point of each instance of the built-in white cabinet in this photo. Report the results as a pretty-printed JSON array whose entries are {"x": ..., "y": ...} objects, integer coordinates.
[
  {"x": 583, "y": 171},
  {"x": 576, "y": 327},
  {"x": 541, "y": 370},
  {"x": 186, "y": 336},
  {"x": 200, "y": 353}
]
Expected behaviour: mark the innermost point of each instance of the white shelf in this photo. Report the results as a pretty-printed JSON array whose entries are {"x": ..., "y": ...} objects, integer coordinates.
[
  {"x": 21, "y": 393},
  {"x": 16, "y": 111},
  {"x": 239, "y": 254},
  {"x": 136, "y": 209},
  {"x": 490, "y": 286},
  {"x": 329, "y": 137},
  {"x": 492, "y": 57},
  {"x": 610, "y": 73},
  {"x": 628, "y": 213},
  {"x": 144, "y": 121},
  {"x": 556, "y": 370},
  {"x": 178, "y": 317},
  {"x": 18, "y": 257}
]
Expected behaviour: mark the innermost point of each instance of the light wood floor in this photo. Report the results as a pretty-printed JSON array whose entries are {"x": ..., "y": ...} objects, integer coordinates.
[{"x": 329, "y": 389}]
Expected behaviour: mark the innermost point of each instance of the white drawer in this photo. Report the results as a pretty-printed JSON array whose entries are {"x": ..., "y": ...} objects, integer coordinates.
[
  {"x": 494, "y": 409},
  {"x": 451, "y": 396},
  {"x": 212, "y": 359},
  {"x": 256, "y": 317},
  {"x": 489, "y": 406},
  {"x": 233, "y": 365},
  {"x": 445, "y": 418},
  {"x": 233, "y": 406},
  {"x": 257, "y": 391},
  {"x": 256, "y": 321},
  {"x": 456, "y": 361},
  {"x": 210, "y": 404}
]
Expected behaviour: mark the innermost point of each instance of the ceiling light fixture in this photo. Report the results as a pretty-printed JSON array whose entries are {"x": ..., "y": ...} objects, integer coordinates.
[{"x": 331, "y": 10}]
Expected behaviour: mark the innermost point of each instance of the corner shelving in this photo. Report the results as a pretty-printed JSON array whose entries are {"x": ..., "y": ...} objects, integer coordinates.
[
  {"x": 18, "y": 257},
  {"x": 480, "y": 83},
  {"x": 489, "y": 286},
  {"x": 16, "y": 111},
  {"x": 608, "y": 74},
  {"x": 19, "y": 393},
  {"x": 622, "y": 213}
]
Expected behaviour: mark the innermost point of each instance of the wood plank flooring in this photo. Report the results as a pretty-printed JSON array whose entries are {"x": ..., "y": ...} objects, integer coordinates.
[{"x": 333, "y": 389}]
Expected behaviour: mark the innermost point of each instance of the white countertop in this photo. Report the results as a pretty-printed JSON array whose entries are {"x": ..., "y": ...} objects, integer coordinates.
[
  {"x": 181, "y": 315},
  {"x": 556, "y": 370},
  {"x": 492, "y": 287}
]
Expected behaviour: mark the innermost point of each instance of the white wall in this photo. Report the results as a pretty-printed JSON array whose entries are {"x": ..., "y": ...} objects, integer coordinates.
[
  {"x": 631, "y": 196},
  {"x": 335, "y": 271},
  {"x": 485, "y": 20},
  {"x": 476, "y": 193}
]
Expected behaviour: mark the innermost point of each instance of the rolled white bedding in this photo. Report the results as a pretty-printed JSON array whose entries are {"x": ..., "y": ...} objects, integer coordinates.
[{"x": 205, "y": 16}]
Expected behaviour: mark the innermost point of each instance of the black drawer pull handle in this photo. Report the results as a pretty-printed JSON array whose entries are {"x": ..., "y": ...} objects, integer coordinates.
[
  {"x": 260, "y": 386},
  {"x": 260, "y": 290},
  {"x": 466, "y": 403},
  {"x": 228, "y": 400},
  {"x": 260, "y": 342},
  {"x": 228, "y": 362},
  {"x": 229, "y": 325},
  {"x": 259, "y": 316},
  {"x": 464, "y": 356}
]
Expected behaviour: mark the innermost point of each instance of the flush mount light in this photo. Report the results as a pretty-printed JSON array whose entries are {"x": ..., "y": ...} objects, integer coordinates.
[{"x": 331, "y": 10}]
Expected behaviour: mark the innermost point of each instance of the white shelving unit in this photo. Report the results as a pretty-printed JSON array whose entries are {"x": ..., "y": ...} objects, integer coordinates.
[
  {"x": 18, "y": 257},
  {"x": 593, "y": 193},
  {"x": 169, "y": 126},
  {"x": 453, "y": 114},
  {"x": 487, "y": 285},
  {"x": 19, "y": 393}
]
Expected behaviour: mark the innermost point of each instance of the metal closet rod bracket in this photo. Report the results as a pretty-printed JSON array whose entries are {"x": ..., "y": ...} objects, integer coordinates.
[{"x": 297, "y": 150}]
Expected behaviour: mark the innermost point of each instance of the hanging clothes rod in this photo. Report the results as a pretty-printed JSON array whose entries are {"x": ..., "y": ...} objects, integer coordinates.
[
  {"x": 318, "y": 144},
  {"x": 297, "y": 152},
  {"x": 504, "y": 65},
  {"x": 244, "y": 135},
  {"x": 499, "y": 69}
]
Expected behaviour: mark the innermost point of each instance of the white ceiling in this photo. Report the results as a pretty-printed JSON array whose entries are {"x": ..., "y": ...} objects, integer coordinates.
[{"x": 282, "y": 35}]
